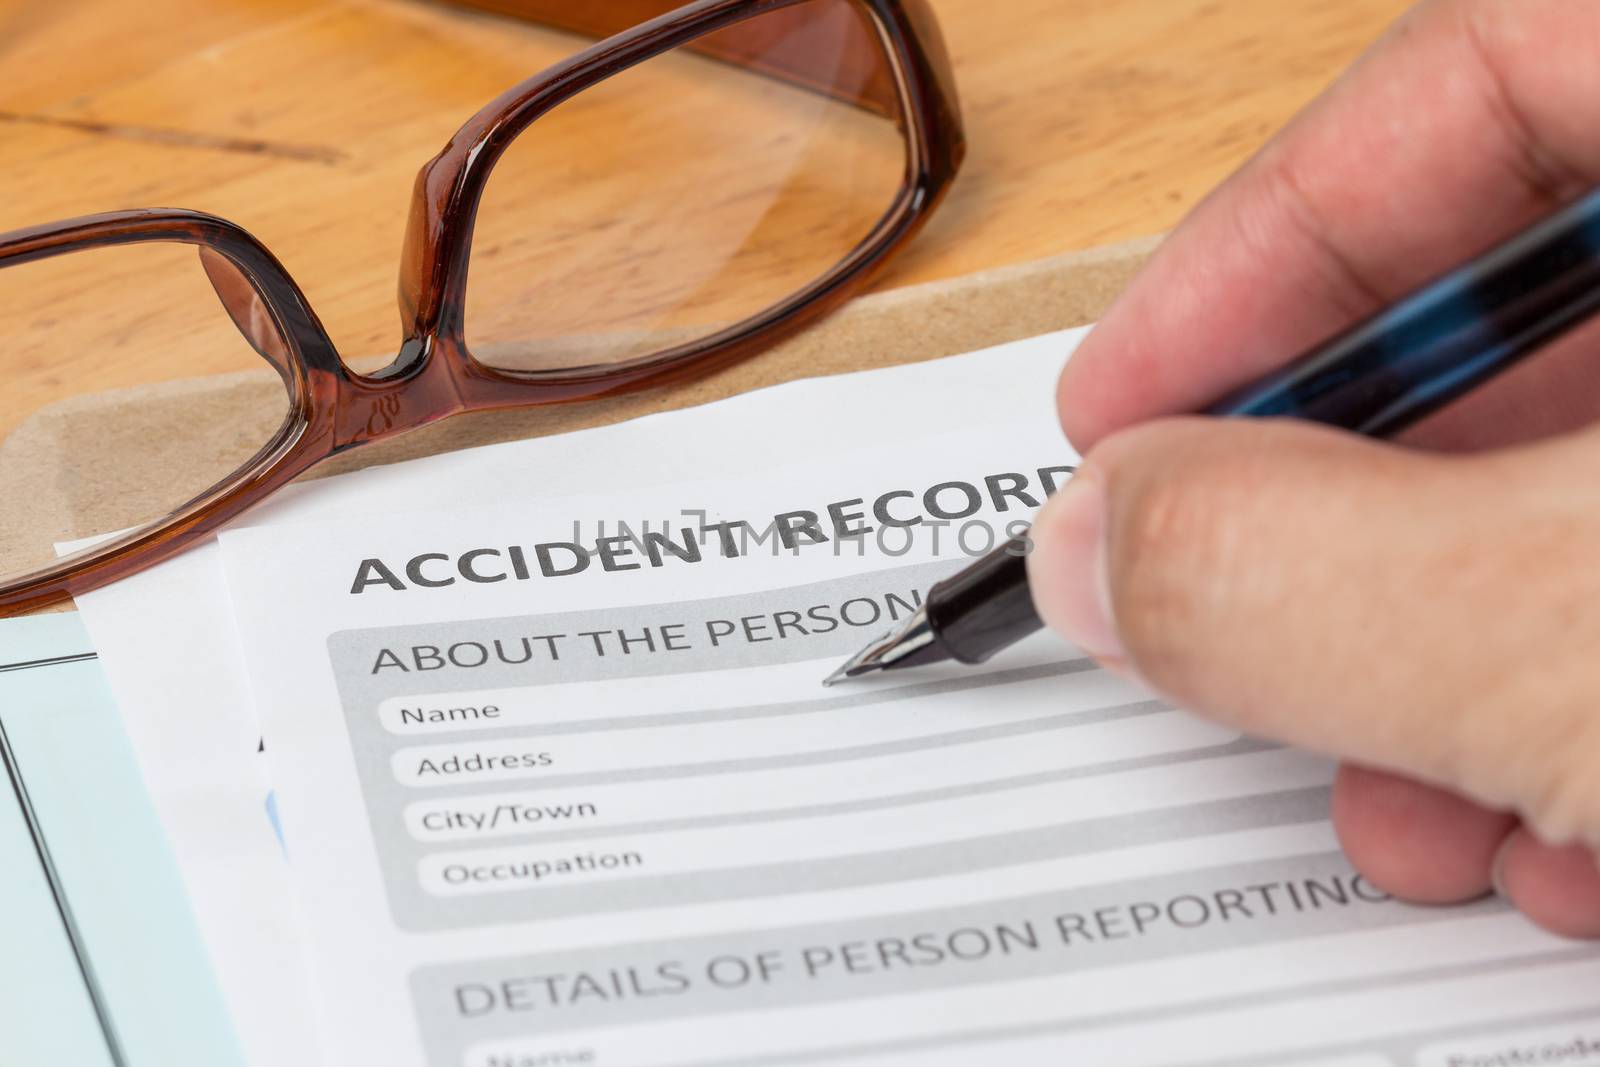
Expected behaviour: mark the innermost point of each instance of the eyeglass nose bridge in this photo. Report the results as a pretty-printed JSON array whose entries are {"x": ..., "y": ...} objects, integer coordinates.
[{"x": 426, "y": 382}]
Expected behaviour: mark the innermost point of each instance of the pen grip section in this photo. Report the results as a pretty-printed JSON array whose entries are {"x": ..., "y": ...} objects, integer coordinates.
[{"x": 987, "y": 606}]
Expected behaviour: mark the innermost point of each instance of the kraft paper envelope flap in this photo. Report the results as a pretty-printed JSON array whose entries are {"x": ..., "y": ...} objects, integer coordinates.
[{"x": 86, "y": 465}]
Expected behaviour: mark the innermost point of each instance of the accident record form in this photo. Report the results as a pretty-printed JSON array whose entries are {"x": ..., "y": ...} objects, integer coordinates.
[{"x": 560, "y": 785}]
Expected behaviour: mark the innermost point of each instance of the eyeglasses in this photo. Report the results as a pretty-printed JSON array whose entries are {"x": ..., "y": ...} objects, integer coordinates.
[{"x": 681, "y": 195}]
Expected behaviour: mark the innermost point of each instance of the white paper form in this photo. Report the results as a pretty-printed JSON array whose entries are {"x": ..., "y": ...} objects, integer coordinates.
[
  {"x": 167, "y": 643},
  {"x": 557, "y": 795}
]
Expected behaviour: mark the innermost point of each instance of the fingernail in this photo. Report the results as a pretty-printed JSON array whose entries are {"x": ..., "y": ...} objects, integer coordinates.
[{"x": 1067, "y": 570}]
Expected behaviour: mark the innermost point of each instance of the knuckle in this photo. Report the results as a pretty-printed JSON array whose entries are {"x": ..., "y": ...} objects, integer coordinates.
[
  {"x": 1534, "y": 726},
  {"x": 1560, "y": 783},
  {"x": 1526, "y": 732}
]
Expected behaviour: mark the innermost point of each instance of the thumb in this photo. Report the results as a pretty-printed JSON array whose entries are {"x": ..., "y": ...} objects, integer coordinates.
[{"x": 1432, "y": 615}]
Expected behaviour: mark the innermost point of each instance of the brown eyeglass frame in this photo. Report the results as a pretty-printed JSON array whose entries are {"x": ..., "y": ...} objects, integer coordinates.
[{"x": 335, "y": 409}]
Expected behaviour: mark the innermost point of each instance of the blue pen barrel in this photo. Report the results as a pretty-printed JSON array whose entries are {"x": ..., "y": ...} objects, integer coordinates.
[{"x": 1446, "y": 338}]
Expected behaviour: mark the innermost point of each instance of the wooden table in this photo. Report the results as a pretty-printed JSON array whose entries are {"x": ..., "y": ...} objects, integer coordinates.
[{"x": 1090, "y": 121}]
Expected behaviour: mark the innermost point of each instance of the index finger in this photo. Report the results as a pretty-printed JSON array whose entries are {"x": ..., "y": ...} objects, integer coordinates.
[{"x": 1468, "y": 120}]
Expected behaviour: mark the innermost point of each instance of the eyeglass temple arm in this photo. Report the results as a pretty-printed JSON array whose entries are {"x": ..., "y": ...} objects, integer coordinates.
[{"x": 846, "y": 66}]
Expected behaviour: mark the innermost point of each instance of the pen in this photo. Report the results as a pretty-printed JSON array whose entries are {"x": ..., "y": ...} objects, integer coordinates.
[{"x": 1375, "y": 379}]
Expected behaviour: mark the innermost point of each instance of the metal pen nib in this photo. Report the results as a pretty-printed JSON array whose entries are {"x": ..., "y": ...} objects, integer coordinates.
[{"x": 911, "y": 637}]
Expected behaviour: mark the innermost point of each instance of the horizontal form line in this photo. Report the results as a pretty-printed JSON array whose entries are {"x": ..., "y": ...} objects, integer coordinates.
[
  {"x": 737, "y": 712},
  {"x": 1240, "y": 747}
]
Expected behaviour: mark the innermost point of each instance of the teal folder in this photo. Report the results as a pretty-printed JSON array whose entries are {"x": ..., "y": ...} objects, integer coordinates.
[{"x": 101, "y": 964}]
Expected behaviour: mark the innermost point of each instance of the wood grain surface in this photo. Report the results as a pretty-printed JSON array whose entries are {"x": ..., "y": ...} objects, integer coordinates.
[{"x": 1090, "y": 121}]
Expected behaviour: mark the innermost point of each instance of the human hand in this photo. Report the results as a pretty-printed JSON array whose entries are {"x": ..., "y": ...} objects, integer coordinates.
[{"x": 1428, "y": 613}]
